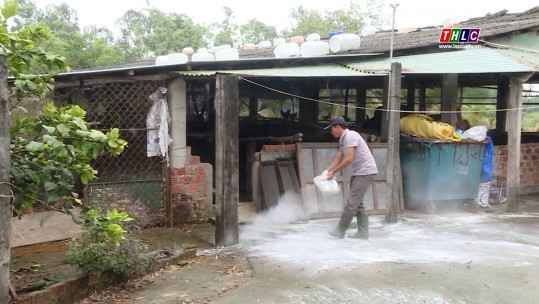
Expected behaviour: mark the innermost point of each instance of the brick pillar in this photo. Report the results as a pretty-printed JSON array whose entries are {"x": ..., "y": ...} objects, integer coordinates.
[{"x": 190, "y": 192}]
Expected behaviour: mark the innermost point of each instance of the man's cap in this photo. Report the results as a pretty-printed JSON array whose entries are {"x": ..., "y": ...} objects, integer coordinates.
[{"x": 336, "y": 121}]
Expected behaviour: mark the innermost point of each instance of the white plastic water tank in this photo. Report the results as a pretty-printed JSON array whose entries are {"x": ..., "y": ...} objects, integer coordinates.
[
  {"x": 313, "y": 37},
  {"x": 202, "y": 57},
  {"x": 227, "y": 54},
  {"x": 285, "y": 50},
  {"x": 215, "y": 49},
  {"x": 314, "y": 48},
  {"x": 278, "y": 41},
  {"x": 203, "y": 50},
  {"x": 264, "y": 44},
  {"x": 161, "y": 60},
  {"x": 368, "y": 30},
  {"x": 177, "y": 58},
  {"x": 344, "y": 42}
]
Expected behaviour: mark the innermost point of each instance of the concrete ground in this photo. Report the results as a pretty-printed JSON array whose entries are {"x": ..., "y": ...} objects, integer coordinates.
[{"x": 451, "y": 257}]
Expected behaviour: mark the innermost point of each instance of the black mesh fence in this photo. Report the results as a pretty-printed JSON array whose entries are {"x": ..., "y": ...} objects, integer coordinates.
[{"x": 123, "y": 105}]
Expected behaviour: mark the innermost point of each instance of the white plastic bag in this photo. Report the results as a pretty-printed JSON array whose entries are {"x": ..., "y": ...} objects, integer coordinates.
[
  {"x": 326, "y": 186},
  {"x": 477, "y": 133}
]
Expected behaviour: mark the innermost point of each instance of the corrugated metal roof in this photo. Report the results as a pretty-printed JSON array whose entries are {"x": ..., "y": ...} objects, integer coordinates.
[
  {"x": 305, "y": 71},
  {"x": 470, "y": 61}
]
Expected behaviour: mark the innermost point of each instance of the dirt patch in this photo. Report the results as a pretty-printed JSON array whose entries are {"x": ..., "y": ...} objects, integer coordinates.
[{"x": 35, "y": 267}]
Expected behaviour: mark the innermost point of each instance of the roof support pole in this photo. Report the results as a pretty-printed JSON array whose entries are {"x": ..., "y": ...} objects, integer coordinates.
[
  {"x": 308, "y": 109},
  {"x": 422, "y": 97},
  {"x": 410, "y": 94},
  {"x": 501, "y": 104},
  {"x": 514, "y": 119},
  {"x": 361, "y": 104},
  {"x": 450, "y": 86},
  {"x": 393, "y": 159},
  {"x": 384, "y": 129},
  {"x": 177, "y": 104},
  {"x": 226, "y": 160},
  {"x": 253, "y": 103}
]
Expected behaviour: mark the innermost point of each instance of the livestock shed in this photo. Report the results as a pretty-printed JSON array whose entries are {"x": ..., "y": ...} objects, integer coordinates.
[{"x": 223, "y": 112}]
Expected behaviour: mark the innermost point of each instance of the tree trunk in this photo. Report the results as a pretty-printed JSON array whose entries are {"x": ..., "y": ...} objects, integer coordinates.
[{"x": 5, "y": 189}]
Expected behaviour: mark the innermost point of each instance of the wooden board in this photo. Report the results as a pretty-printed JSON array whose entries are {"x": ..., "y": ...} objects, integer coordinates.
[
  {"x": 313, "y": 158},
  {"x": 288, "y": 177},
  {"x": 270, "y": 184}
]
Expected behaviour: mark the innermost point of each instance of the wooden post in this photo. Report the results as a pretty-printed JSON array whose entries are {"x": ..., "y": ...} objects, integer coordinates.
[
  {"x": 384, "y": 130},
  {"x": 253, "y": 103},
  {"x": 514, "y": 126},
  {"x": 309, "y": 109},
  {"x": 250, "y": 151},
  {"x": 410, "y": 94},
  {"x": 450, "y": 86},
  {"x": 501, "y": 103},
  {"x": 226, "y": 160},
  {"x": 393, "y": 158},
  {"x": 422, "y": 97},
  {"x": 361, "y": 103},
  {"x": 5, "y": 188}
]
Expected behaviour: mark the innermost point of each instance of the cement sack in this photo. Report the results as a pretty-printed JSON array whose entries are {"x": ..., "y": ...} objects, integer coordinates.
[
  {"x": 326, "y": 186},
  {"x": 424, "y": 126}
]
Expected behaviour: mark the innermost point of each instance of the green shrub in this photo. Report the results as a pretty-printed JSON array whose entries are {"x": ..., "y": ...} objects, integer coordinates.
[{"x": 104, "y": 245}]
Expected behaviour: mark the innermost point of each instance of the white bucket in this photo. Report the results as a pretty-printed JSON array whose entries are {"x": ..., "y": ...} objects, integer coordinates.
[
  {"x": 202, "y": 57},
  {"x": 313, "y": 37},
  {"x": 177, "y": 58},
  {"x": 278, "y": 41},
  {"x": 285, "y": 50},
  {"x": 227, "y": 54},
  {"x": 344, "y": 42},
  {"x": 314, "y": 48},
  {"x": 161, "y": 60}
]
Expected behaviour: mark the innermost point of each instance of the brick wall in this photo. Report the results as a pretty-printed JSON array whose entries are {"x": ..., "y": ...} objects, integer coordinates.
[
  {"x": 529, "y": 164},
  {"x": 191, "y": 192}
]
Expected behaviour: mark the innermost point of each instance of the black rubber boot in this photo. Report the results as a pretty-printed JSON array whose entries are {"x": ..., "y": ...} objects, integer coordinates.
[
  {"x": 345, "y": 221},
  {"x": 362, "y": 227}
]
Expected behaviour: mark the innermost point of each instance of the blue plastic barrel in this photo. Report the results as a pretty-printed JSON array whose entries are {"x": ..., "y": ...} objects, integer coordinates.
[{"x": 331, "y": 34}]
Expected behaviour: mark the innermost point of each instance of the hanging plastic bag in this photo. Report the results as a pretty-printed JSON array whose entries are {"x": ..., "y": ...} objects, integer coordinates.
[{"x": 326, "y": 186}]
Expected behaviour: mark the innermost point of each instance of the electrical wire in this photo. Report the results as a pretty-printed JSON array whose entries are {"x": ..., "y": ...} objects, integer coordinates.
[{"x": 384, "y": 110}]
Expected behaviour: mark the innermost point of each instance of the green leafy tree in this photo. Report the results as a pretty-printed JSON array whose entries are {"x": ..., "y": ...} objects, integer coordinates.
[
  {"x": 226, "y": 29},
  {"x": 90, "y": 47},
  {"x": 351, "y": 19},
  {"x": 46, "y": 151},
  {"x": 50, "y": 151},
  {"x": 21, "y": 53},
  {"x": 254, "y": 31},
  {"x": 151, "y": 32}
]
